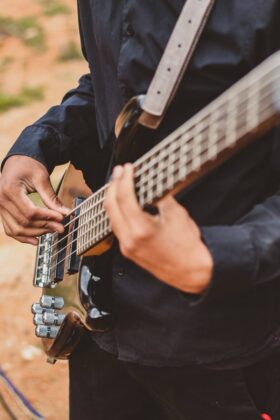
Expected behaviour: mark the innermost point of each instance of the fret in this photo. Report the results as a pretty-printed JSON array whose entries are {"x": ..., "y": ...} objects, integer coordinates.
[
  {"x": 170, "y": 163},
  {"x": 86, "y": 231},
  {"x": 141, "y": 195},
  {"x": 231, "y": 122},
  {"x": 170, "y": 176},
  {"x": 150, "y": 176},
  {"x": 99, "y": 221},
  {"x": 183, "y": 160},
  {"x": 96, "y": 214},
  {"x": 198, "y": 135},
  {"x": 160, "y": 177},
  {"x": 252, "y": 112},
  {"x": 80, "y": 230},
  {"x": 90, "y": 221}
]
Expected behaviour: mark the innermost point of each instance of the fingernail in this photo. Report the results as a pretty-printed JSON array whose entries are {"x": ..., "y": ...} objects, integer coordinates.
[
  {"x": 117, "y": 172},
  {"x": 65, "y": 210},
  {"x": 59, "y": 229},
  {"x": 128, "y": 166}
]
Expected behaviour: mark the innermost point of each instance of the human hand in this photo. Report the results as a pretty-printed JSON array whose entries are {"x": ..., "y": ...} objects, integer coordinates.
[
  {"x": 22, "y": 220},
  {"x": 167, "y": 245}
]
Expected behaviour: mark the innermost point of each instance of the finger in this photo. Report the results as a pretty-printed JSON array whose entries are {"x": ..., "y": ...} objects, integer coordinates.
[
  {"x": 118, "y": 223},
  {"x": 49, "y": 197},
  {"x": 168, "y": 206},
  {"x": 169, "y": 209},
  {"x": 38, "y": 213},
  {"x": 15, "y": 230},
  {"x": 22, "y": 219},
  {"x": 17, "y": 197},
  {"x": 23, "y": 239},
  {"x": 126, "y": 197},
  {"x": 27, "y": 240}
]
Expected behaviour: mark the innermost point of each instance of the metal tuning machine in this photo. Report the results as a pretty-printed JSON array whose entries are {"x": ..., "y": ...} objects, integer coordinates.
[{"x": 46, "y": 317}]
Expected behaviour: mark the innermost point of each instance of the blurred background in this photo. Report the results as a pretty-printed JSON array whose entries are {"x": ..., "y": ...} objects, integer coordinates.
[{"x": 40, "y": 60}]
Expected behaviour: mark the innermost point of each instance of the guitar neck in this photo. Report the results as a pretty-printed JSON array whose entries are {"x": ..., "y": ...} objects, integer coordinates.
[{"x": 228, "y": 124}]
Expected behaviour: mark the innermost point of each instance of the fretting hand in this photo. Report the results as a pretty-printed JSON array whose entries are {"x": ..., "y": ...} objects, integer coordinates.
[{"x": 168, "y": 245}]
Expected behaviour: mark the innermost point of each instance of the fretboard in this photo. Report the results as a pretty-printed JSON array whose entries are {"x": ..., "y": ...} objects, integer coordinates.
[{"x": 228, "y": 124}]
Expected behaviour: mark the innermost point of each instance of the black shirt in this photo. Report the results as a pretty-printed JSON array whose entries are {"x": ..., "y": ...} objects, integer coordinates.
[{"x": 237, "y": 206}]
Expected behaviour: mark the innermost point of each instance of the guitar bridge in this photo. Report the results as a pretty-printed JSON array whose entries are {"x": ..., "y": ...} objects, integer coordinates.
[
  {"x": 73, "y": 259},
  {"x": 55, "y": 255},
  {"x": 42, "y": 275}
]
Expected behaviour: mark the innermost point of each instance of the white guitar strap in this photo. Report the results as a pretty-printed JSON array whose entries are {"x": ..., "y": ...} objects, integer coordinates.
[{"x": 175, "y": 60}]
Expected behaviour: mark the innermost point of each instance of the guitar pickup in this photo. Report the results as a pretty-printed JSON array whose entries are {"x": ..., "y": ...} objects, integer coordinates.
[
  {"x": 60, "y": 250},
  {"x": 74, "y": 259}
]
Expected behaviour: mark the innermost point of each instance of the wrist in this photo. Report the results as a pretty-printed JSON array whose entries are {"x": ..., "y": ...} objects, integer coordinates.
[{"x": 199, "y": 274}]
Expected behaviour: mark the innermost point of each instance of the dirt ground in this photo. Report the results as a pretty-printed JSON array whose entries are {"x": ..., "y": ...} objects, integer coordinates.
[{"x": 21, "y": 355}]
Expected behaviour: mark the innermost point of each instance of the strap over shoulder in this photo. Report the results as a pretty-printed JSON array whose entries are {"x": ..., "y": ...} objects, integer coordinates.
[{"x": 175, "y": 60}]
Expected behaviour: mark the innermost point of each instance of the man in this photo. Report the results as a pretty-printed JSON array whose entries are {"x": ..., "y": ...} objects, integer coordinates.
[{"x": 196, "y": 291}]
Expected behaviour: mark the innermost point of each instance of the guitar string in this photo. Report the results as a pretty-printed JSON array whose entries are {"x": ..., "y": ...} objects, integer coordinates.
[
  {"x": 102, "y": 212},
  {"x": 259, "y": 75},
  {"x": 98, "y": 197},
  {"x": 248, "y": 82},
  {"x": 262, "y": 72},
  {"x": 141, "y": 183},
  {"x": 100, "y": 234},
  {"x": 104, "y": 233}
]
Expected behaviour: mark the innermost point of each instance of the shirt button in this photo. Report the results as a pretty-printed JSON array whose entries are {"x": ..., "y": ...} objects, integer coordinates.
[
  {"x": 121, "y": 272},
  {"x": 129, "y": 30}
]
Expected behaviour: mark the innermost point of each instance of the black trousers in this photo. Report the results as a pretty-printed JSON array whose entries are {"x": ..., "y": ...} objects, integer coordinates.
[{"x": 104, "y": 388}]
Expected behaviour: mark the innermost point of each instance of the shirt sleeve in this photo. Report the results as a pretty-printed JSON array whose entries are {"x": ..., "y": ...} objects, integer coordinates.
[
  {"x": 246, "y": 254},
  {"x": 55, "y": 138}
]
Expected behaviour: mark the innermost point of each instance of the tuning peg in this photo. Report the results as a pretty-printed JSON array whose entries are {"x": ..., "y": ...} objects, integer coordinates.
[
  {"x": 38, "y": 319},
  {"x": 44, "y": 331},
  {"x": 53, "y": 318},
  {"x": 51, "y": 302},
  {"x": 36, "y": 308}
]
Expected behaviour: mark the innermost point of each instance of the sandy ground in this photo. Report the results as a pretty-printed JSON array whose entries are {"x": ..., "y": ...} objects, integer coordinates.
[{"x": 20, "y": 351}]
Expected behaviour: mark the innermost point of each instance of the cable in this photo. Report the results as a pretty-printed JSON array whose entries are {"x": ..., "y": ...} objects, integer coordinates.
[{"x": 20, "y": 398}]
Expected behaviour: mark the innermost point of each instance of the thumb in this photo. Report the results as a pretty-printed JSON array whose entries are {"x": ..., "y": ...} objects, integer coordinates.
[
  {"x": 168, "y": 206},
  {"x": 49, "y": 197}
]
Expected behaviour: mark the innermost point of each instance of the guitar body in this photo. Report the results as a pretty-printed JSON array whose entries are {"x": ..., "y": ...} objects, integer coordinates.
[
  {"x": 77, "y": 288},
  {"x": 86, "y": 292}
]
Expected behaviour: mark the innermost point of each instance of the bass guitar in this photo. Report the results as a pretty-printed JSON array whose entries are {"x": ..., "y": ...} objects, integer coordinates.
[{"x": 73, "y": 268}]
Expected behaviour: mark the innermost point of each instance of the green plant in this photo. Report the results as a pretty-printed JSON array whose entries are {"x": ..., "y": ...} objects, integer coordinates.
[
  {"x": 5, "y": 62},
  {"x": 26, "y": 28},
  {"x": 70, "y": 52},
  {"x": 24, "y": 97},
  {"x": 55, "y": 7}
]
